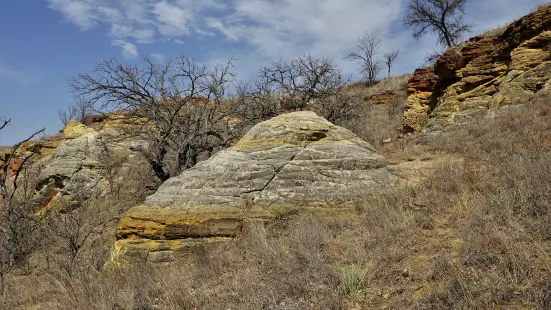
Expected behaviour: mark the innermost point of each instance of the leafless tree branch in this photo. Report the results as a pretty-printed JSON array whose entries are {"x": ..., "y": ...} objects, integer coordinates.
[
  {"x": 389, "y": 58},
  {"x": 174, "y": 106},
  {"x": 442, "y": 17},
  {"x": 366, "y": 51}
]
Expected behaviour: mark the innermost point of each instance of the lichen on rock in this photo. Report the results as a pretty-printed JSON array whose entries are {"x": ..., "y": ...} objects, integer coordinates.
[{"x": 294, "y": 161}]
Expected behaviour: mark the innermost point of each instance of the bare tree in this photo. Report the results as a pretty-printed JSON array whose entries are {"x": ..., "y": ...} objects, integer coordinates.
[
  {"x": 4, "y": 123},
  {"x": 305, "y": 83},
  {"x": 18, "y": 225},
  {"x": 366, "y": 51},
  {"x": 389, "y": 58},
  {"x": 442, "y": 17},
  {"x": 78, "y": 111},
  {"x": 177, "y": 106}
]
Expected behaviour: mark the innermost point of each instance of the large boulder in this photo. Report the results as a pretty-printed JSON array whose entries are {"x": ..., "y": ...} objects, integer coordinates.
[
  {"x": 294, "y": 161},
  {"x": 512, "y": 66}
]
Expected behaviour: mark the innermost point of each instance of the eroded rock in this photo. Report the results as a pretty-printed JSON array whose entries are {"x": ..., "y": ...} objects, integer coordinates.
[
  {"x": 82, "y": 164},
  {"x": 486, "y": 72},
  {"x": 294, "y": 161}
]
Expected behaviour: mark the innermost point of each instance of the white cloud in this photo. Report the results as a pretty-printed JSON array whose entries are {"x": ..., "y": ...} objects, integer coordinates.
[
  {"x": 172, "y": 20},
  {"x": 139, "y": 21},
  {"x": 158, "y": 57},
  {"x": 489, "y": 14},
  {"x": 81, "y": 13},
  {"x": 274, "y": 29},
  {"x": 264, "y": 30},
  {"x": 23, "y": 76},
  {"x": 129, "y": 50}
]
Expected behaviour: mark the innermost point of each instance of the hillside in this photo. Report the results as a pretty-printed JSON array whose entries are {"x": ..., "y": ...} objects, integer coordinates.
[{"x": 433, "y": 193}]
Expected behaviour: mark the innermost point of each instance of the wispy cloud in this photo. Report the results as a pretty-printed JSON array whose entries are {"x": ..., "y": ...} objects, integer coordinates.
[
  {"x": 140, "y": 21},
  {"x": 80, "y": 13},
  {"x": 129, "y": 50},
  {"x": 157, "y": 57},
  {"x": 265, "y": 30},
  {"x": 22, "y": 76}
]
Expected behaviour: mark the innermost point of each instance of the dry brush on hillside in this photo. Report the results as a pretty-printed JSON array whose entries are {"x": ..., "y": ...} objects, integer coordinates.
[{"x": 473, "y": 234}]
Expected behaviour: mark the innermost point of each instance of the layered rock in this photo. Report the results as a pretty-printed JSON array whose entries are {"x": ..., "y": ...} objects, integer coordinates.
[
  {"x": 41, "y": 148},
  {"x": 293, "y": 161},
  {"x": 419, "y": 101},
  {"x": 76, "y": 166},
  {"x": 486, "y": 72},
  {"x": 80, "y": 167}
]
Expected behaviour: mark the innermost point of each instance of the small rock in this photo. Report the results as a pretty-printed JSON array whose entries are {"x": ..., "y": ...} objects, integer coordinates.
[{"x": 405, "y": 273}]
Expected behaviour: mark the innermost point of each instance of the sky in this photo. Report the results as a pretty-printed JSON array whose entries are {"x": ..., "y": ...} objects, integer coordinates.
[{"x": 45, "y": 42}]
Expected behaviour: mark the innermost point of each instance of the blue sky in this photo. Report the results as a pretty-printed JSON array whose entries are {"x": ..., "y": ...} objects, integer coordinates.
[{"x": 44, "y": 42}]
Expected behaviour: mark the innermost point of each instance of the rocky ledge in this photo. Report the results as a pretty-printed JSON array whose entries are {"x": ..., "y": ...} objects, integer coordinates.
[
  {"x": 294, "y": 161},
  {"x": 512, "y": 66}
]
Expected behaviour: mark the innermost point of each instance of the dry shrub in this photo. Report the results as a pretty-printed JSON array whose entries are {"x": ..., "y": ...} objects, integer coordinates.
[
  {"x": 378, "y": 122},
  {"x": 393, "y": 84},
  {"x": 265, "y": 268},
  {"x": 474, "y": 234},
  {"x": 504, "y": 207}
]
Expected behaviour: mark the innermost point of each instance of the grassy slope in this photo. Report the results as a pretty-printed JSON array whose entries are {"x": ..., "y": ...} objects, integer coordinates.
[{"x": 474, "y": 234}]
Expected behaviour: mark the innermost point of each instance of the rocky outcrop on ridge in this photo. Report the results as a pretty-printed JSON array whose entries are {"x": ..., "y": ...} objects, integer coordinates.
[
  {"x": 81, "y": 165},
  {"x": 294, "y": 161},
  {"x": 42, "y": 148},
  {"x": 486, "y": 72}
]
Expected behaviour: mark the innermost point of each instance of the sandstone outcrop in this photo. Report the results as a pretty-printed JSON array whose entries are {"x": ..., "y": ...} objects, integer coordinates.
[
  {"x": 486, "y": 72},
  {"x": 80, "y": 167},
  {"x": 76, "y": 166},
  {"x": 418, "y": 104},
  {"x": 294, "y": 161},
  {"x": 43, "y": 148}
]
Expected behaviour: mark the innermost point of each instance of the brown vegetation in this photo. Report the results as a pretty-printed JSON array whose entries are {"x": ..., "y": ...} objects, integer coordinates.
[{"x": 474, "y": 234}]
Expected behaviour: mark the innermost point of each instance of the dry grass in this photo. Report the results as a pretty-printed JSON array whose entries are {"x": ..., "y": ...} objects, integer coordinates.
[
  {"x": 499, "y": 30},
  {"x": 474, "y": 234},
  {"x": 393, "y": 84},
  {"x": 495, "y": 31},
  {"x": 379, "y": 123}
]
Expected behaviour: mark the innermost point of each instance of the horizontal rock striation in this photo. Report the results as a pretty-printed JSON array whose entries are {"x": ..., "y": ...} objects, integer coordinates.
[
  {"x": 486, "y": 72},
  {"x": 294, "y": 161},
  {"x": 83, "y": 166}
]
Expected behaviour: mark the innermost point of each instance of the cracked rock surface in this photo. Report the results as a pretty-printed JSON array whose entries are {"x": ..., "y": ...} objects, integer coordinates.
[{"x": 296, "y": 160}]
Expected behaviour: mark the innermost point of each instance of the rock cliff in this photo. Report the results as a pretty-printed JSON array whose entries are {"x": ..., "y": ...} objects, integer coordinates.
[
  {"x": 294, "y": 161},
  {"x": 486, "y": 72}
]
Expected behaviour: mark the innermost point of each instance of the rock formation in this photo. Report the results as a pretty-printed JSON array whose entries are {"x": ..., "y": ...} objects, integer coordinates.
[
  {"x": 46, "y": 147},
  {"x": 294, "y": 161},
  {"x": 510, "y": 67},
  {"x": 80, "y": 167}
]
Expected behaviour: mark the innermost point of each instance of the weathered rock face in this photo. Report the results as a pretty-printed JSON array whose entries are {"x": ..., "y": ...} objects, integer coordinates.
[
  {"x": 79, "y": 168},
  {"x": 486, "y": 72},
  {"x": 418, "y": 104},
  {"x": 45, "y": 147},
  {"x": 76, "y": 164},
  {"x": 293, "y": 161}
]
